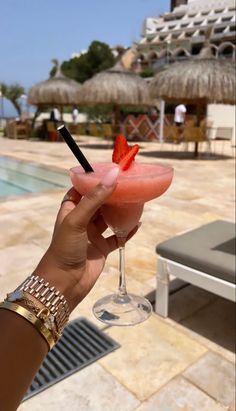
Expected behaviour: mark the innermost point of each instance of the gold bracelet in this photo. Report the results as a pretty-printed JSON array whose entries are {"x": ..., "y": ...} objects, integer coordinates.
[
  {"x": 29, "y": 316},
  {"x": 41, "y": 312},
  {"x": 49, "y": 296}
]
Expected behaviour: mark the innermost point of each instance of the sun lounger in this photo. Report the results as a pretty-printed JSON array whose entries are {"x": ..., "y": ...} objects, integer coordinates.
[{"x": 204, "y": 257}]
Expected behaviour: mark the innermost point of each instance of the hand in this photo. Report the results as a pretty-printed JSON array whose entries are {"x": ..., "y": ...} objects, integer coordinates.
[
  {"x": 72, "y": 264},
  {"x": 78, "y": 250}
]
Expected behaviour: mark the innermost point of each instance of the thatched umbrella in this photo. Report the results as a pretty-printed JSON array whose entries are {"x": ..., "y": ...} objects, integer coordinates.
[
  {"x": 195, "y": 80},
  {"x": 116, "y": 86},
  {"x": 58, "y": 90},
  {"x": 201, "y": 80}
]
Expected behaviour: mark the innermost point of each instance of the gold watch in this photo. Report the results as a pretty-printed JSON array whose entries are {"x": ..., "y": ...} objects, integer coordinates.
[{"x": 47, "y": 295}]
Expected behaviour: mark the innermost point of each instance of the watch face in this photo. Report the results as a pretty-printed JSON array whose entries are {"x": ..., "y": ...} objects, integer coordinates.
[{"x": 15, "y": 295}]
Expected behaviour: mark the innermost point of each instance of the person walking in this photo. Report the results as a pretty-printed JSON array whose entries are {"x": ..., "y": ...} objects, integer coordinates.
[
  {"x": 55, "y": 115},
  {"x": 180, "y": 112},
  {"x": 75, "y": 115}
]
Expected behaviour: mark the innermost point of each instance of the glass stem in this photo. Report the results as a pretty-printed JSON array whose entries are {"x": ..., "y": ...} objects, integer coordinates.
[{"x": 122, "y": 282}]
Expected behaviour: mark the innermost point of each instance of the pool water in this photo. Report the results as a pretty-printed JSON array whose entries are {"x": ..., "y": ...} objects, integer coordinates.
[{"x": 20, "y": 177}]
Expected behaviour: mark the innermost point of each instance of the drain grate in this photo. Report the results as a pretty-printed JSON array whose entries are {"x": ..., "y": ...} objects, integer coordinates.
[{"x": 82, "y": 343}]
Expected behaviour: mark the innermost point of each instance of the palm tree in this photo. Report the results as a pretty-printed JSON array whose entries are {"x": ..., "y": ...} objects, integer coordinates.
[{"x": 13, "y": 92}]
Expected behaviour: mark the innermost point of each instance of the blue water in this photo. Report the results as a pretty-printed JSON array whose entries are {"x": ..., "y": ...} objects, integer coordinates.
[{"x": 20, "y": 177}]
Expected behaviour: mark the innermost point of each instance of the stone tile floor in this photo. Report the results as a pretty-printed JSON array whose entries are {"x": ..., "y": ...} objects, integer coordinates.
[{"x": 183, "y": 363}]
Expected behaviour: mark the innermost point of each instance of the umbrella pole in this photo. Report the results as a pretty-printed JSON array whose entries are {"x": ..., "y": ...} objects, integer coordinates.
[
  {"x": 61, "y": 110},
  {"x": 116, "y": 116},
  {"x": 36, "y": 114},
  {"x": 162, "y": 117},
  {"x": 196, "y": 153}
]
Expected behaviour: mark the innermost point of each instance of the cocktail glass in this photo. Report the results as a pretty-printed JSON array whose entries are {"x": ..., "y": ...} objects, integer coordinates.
[{"x": 142, "y": 182}]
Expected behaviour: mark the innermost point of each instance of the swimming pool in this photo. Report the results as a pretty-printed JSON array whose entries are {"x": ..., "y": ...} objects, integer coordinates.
[{"x": 20, "y": 177}]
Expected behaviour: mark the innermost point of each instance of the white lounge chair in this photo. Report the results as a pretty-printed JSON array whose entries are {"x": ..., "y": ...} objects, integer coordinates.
[{"x": 204, "y": 257}]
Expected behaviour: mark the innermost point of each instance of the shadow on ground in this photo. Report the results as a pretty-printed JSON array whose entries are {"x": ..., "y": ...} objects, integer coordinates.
[
  {"x": 206, "y": 314},
  {"x": 183, "y": 155}
]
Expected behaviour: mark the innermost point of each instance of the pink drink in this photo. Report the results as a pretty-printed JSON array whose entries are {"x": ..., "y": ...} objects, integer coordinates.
[{"x": 142, "y": 182}]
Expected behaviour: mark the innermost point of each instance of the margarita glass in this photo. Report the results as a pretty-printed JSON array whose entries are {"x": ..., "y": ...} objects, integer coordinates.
[{"x": 142, "y": 182}]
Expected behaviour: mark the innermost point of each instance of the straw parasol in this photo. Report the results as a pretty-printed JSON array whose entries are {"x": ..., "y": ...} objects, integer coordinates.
[
  {"x": 196, "y": 80},
  {"x": 201, "y": 80},
  {"x": 116, "y": 86},
  {"x": 58, "y": 90}
]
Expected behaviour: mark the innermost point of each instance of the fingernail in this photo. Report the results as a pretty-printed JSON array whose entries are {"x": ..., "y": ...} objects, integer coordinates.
[{"x": 110, "y": 178}]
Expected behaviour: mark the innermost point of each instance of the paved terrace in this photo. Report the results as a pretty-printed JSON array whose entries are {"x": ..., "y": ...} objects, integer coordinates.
[{"x": 182, "y": 363}]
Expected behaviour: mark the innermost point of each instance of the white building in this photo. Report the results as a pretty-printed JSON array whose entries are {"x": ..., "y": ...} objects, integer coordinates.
[{"x": 181, "y": 33}]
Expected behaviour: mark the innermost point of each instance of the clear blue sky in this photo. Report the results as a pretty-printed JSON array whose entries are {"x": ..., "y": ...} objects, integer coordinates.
[{"x": 32, "y": 32}]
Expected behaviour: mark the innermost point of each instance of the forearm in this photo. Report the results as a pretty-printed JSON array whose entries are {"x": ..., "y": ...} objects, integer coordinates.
[
  {"x": 22, "y": 346},
  {"x": 22, "y": 349}
]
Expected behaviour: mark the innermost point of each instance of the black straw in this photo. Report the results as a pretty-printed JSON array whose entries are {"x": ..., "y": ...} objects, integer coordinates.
[{"x": 75, "y": 149}]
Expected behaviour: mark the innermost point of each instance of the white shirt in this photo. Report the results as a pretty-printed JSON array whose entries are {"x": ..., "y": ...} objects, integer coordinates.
[
  {"x": 75, "y": 114},
  {"x": 57, "y": 114},
  {"x": 180, "y": 111}
]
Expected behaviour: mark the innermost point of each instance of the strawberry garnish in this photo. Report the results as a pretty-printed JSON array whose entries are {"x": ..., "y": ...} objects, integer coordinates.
[
  {"x": 122, "y": 153},
  {"x": 121, "y": 148},
  {"x": 129, "y": 158}
]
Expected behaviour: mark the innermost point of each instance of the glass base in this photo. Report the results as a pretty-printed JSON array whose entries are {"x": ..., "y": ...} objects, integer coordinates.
[{"x": 122, "y": 310}]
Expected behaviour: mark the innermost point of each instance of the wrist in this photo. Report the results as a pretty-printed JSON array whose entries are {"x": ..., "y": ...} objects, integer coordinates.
[
  {"x": 42, "y": 301},
  {"x": 20, "y": 310},
  {"x": 64, "y": 281}
]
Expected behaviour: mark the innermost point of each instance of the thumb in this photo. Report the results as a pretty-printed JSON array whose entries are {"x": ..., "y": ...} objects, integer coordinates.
[{"x": 92, "y": 201}]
